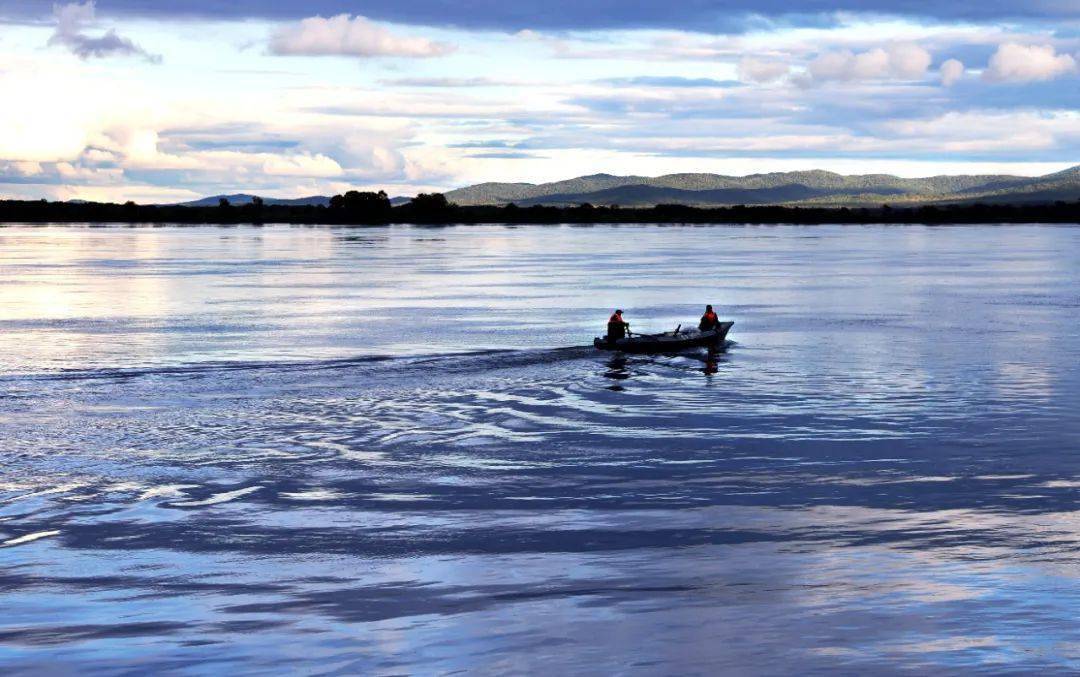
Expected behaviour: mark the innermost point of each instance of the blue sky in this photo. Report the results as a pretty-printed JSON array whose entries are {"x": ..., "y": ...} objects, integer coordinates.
[{"x": 154, "y": 101}]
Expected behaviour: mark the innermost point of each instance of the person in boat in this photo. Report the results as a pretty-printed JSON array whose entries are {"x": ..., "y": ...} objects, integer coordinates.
[
  {"x": 709, "y": 320},
  {"x": 616, "y": 327}
]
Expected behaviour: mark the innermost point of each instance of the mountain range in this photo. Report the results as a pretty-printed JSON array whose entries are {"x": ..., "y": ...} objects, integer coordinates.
[
  {"x": 811, "y": 188},
  {"x": 816, "y": 188},
  {"x": 241, "y": 199}
]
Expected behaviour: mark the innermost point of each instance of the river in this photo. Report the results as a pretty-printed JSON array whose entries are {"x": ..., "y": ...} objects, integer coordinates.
[{"x": 394, "y": 451}]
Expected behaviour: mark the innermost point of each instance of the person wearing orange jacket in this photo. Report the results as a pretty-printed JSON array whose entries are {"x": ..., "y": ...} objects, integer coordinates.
[
  {"x": 616, "y": 327},
  {"x": 709, "y": 320}
]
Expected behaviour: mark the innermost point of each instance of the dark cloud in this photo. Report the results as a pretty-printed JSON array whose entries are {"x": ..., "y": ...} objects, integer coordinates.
[
  {"x": 72, "y": 19},
  {"x": 110, "y": 44},
  {"x": 698, "y": 15}
]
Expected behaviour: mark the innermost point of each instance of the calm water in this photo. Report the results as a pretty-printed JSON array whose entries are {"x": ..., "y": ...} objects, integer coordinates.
[{"x": 234, "y": 450}]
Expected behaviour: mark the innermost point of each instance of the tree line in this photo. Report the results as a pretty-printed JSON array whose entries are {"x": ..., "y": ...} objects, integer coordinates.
[{"x": 375, "y": 208}]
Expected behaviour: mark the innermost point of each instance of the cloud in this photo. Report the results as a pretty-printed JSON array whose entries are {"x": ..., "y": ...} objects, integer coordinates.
[
  {"x": 1014, "y": 62},
  {"x": 951, "y": 72},
  {"x": 301, "y": 165},
  {"x": 72, "y": 18},
  {"x": 908, "y": 61},
  {"x": 667, "y": 81},
  {"x": 506, "y": 155},
  {"x": 752, "y": 69},
  {"x": 654, "y": 103},
  {"x": 666, "y": 47},
  {"x": 448, "y": 82},
  {"x": 979, "y": 133},
  {"x": 345, "y": 35},
  {"x": 903, "y": 61},
  {"x": 559, "y": 15}
]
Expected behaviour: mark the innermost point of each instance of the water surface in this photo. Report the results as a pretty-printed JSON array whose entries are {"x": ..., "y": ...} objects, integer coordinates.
[{"x": 392, "y": 450}]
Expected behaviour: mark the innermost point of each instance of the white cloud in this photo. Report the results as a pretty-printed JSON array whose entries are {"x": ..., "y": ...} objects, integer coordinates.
[
  {"x": 981, "y": 131},
  {"x": 72, "y": 18},
  {"x": 301, "y": 165},
  {"x": 184, "y": 139},
  {"x": 450, "y": 82},
  {"x": 752, "y": 69},
  {"x": 343, "y": 35},
  {"x": 908, "y": 61},
  {"x": 902, "y": 61},
  {"x": 38, "y": 121},
  {"x": 1025, "y": 63},
  {"x": 140, "y": 149},
  {"x": 951, "y": 72},
  {"x": 75, "y": 174},
  {"x": 21, "y": 169},
  {"x": 99, "y": 193},
  {"x": 97, "y": 156}
]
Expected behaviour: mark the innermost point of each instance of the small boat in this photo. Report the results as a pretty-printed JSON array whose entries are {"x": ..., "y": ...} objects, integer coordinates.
[{"x": 670, "y": 341}]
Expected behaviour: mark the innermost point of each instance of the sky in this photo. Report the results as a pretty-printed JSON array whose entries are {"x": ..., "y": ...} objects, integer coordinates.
[{"x": 159, "y": 101}]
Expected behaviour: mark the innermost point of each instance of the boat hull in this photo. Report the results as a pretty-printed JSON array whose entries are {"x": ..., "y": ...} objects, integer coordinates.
[{"x": 667, "y": 342}]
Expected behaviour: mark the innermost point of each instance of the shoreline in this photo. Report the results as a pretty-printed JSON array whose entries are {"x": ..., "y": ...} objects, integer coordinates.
[{"x": 42, "y": 212}]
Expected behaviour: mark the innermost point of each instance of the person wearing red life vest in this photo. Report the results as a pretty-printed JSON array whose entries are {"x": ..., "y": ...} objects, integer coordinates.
[
  {"x": 709, "y": 320},
  {"x": 616, "y": 327}
]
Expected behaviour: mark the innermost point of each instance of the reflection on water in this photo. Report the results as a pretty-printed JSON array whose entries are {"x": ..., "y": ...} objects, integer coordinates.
[
  {"x": 390, "y": 451},
  {"x": 616, "y": 370},
  {"x": 711, "y": 363}
]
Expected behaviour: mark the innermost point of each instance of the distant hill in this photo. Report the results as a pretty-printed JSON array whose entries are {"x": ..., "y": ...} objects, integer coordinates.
[
  {"x": 645, "y": 195},
  {"x": 239, "y": 199},
  {"x": 816, "y": 187}
]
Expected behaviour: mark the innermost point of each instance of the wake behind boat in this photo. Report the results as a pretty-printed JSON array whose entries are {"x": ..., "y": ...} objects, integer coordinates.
[{"x": 670, "y": 341}]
